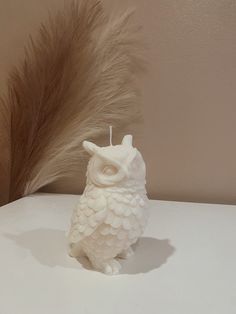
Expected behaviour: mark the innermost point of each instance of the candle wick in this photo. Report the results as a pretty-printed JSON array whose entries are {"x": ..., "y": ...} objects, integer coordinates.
[{"x": 110, "y": 127}]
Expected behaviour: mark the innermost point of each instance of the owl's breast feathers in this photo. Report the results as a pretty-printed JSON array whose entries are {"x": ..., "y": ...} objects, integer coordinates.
[{"x": 109, "y": 208}]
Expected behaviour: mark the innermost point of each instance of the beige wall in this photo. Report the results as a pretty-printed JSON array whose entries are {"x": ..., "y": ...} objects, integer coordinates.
[{"x": 189, "y": 94}]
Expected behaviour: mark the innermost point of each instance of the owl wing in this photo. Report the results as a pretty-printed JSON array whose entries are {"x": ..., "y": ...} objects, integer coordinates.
[
  {"x": 127, "y": 215},
  {"x": 89, "y": 214}
]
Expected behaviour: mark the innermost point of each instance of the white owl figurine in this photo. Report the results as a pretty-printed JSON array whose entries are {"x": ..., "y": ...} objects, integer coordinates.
[{"x": 112, "y": 212}]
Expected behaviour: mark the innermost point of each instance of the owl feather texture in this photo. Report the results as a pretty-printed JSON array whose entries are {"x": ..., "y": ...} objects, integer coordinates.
[{"x": 112, "y": 212}]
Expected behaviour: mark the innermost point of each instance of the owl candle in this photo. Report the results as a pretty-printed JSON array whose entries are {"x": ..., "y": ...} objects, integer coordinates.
[{"x": 112, "y": 212}]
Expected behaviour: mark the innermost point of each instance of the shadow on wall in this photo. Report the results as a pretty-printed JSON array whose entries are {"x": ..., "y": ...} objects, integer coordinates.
[{"x": 48, "y": 247}]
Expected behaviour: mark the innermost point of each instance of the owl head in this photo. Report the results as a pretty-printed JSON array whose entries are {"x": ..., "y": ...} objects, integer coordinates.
[{"x": 115, "y": 165}]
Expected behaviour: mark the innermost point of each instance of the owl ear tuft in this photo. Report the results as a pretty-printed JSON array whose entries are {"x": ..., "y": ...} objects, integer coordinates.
[
  {"x": 127, "y": 140},
  {"x": 90, "y": 147}
]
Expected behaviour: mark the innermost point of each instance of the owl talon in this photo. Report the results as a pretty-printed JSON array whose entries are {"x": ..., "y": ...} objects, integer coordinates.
[
  {"x": 126, "y": 253},
  {"x": 111, "y": 267}
]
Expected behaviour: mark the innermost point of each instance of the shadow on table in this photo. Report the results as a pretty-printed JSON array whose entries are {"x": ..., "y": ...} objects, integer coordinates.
[
  {"x": 48, "y": 246},
  {"x": 150, "y": 254}
]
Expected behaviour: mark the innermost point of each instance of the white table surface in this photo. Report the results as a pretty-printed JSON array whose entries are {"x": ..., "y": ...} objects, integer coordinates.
[{"x": 185, "y": 262}]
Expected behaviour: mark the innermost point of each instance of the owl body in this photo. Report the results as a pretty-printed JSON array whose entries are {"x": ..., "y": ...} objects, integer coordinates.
[{"x": 108, "y": 220}]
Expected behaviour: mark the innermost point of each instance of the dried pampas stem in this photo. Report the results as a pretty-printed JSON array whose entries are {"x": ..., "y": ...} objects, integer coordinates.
[{"x": 77, "y": 78}]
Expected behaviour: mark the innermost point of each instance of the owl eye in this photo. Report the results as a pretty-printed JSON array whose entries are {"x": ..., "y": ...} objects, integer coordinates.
[{"x": 109, "y": 170}]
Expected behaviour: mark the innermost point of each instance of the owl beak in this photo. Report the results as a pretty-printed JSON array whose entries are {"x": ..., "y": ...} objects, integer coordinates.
[
  {"x": 128, "y": 161},
  {"x": 126, "y": 172}
]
